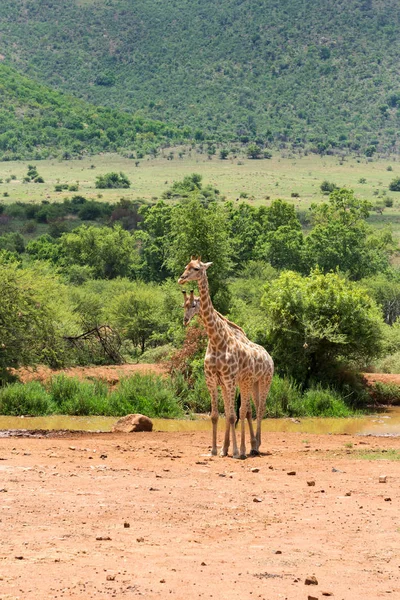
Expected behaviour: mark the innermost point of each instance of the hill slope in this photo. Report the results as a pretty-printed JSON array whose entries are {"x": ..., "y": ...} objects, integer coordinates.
[
  {"x": 37, "y": 122},
  {"x": 319, "y": 73}
]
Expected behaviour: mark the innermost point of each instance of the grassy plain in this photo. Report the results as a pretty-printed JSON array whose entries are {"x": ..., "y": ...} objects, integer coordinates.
[{"x": 260, "y": 180}]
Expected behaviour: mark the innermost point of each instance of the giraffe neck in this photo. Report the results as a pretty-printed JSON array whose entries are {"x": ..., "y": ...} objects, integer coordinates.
[{"x": 208, "y": 314}]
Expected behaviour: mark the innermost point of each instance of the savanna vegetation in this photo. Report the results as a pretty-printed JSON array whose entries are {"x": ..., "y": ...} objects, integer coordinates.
[
  {"x": 99, "y": 285},
  {"x": 318, "y": 76}
]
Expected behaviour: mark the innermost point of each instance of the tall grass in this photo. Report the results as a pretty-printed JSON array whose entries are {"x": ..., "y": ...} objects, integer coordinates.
[
  {"x": 155, "y": 396},
  {"x": 18, "y": 399}
]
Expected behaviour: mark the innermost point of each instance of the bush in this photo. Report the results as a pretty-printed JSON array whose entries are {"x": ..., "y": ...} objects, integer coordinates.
[
  {"x": 112, "y": 180},
  {"x": 19, "y": 399},
  {"x": 327, "y": 187},
  {"x": 386, "y": 393},
  {"x": 70, "y": 396},
  {"x": 394, "y": 185},
  {"x": 146, "y": 394}
]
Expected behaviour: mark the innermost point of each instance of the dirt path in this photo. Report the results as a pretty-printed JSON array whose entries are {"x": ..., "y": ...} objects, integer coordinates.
[
  {"x": 110, "y": 374},
  {"x": 151, "y": 516},
  {"x": 382, "y": 377}
]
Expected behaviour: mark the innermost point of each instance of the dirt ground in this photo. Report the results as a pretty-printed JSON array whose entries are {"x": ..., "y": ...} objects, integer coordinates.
[
  {"x": 153, "y": 516},
  {"x": 110, "y": 374}
]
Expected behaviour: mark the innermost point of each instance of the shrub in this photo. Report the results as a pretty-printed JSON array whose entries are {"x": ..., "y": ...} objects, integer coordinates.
[
  {"x": 386, "y": 393},
  {"x": 147, "y": 394},
  {"x": 70, "y": 396},
  {"x": 394, "y": 185},
  {"x": 112, "y": 180},
  {"x": 327, "y": 187},
  {"x": 24, "y": 399}
]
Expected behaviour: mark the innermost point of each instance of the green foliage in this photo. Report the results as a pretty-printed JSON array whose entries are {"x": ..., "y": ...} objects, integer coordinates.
[
  {"x": 340, "y": 238},
  {"x": 146, "y": 394},
  {"x": 70, "y": 396},
  {"x": 109, "y": 252},
  {"x": 248, "y": 82},
  {"x": 112, "y": 180},
  {"x": 394, "y": 185},
  {"x": 37, "y": 122},
  {"x": 316, "y": 323},
  {"x": 202, "y": 231},
  {"x": 327, "y": 187},
  {"x": 32, "y": 317},
  {"x": 385, "y": 393},
  {"x": 29, "y": 399}
]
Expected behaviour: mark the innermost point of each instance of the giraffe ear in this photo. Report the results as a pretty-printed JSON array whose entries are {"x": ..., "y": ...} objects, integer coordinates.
[{"x": 206, "y": 265}]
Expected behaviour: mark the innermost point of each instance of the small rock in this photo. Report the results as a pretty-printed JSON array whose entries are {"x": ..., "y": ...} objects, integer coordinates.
[
  {"x": 311, "y": 483},
  {"x": 328, "y": 593},
  {"x": 312, "y": 580},
  {"x": 127, "y": 525},
  {"x": 103, "y": 538},
  {"x": 388, "y": 499},
  {"x": 103, "y": 456},
  {"x": 203, "y": 564},
  {"x": 162, "y": 580},
  {"x": 3, "y": 490},
  {"x": 348, "y": 494},
  {"x": 278, "y": 551},
  {"x": 382, "y": 478},
  {"x": 312, "y": 598},
  {"x": 110, "y": 578},
  {"x": 291, "y": 472},
  {"x": 255, "y": 470},
  {"x": 140, "y": 539},
  {"x": 132, "y": 423},
  {"x": 19, "y": 557},
  {"x": 71, "y": 448},
  {"x": 257, "y": 499}
]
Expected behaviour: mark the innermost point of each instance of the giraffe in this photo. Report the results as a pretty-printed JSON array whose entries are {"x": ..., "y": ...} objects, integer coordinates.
[{"x": 231, "y": 360}]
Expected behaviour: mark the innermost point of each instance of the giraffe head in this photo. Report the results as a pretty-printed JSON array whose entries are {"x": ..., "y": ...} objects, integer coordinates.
[
  {"x": 194, "y": 270},
  {"x": 191, "y": 307}
]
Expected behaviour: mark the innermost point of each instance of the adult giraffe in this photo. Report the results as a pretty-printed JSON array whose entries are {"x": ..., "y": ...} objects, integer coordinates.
[{"x": 231, "y": 360}]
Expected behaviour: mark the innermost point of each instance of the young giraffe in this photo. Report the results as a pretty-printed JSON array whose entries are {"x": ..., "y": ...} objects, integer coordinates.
[{"x": 231, "y": 360}]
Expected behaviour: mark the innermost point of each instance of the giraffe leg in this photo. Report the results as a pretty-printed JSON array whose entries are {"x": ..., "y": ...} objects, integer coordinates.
[
  {"x": 213, "y": 389},
  {"x": 256, "y": 400},
  {"x": 228, "y": 392},
  {"x": 264, "y": 389},
  {"x": 245, "y": 411}
]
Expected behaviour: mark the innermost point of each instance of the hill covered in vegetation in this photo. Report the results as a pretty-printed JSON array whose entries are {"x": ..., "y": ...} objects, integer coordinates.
[
  {"x": 37, "y": 122},
  {"x": 316, "y": 74}
]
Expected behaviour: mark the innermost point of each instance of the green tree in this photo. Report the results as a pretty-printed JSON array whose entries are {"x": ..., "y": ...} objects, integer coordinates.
[
  {"x": 317, "y": 323},
  {"x": 394, "y": 185},
  {"x": 34, "y": 314},
  {"x": 137, "y": 314},
  {"x": 112, "y": 180},
  {"x": 203, "y": 231},
  {"x": 341, "y": 239},
  {"x": 110, "y": 252}
]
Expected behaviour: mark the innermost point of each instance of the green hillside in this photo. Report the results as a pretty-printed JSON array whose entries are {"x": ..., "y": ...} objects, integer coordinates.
[
  {"x": 37, "y": 122},
  {"x": 318, "y": 74}
]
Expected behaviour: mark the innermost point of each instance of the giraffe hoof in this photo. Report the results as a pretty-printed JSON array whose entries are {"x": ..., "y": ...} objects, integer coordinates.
[
  {"x": 214, "y": 453},
  {"x": 242, "y": 457},
  {"x": 254, "y": 453},
  {"x": 223, "y": 454}
]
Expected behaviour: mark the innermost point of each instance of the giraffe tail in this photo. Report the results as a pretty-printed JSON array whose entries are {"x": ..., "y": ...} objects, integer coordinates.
[{"x": 238, "y": 404}]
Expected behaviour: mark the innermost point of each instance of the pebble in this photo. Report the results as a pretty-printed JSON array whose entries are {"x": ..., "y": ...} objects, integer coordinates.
[
  {"x": 312, "y": 598},
  {"x": 348, "y": 494},
  {"x": 110, "y": 578},
  {"x": 312, "y": 580},
  {"x": 382, "y": 478},
  {"x": 327, "y": 593},
  {"x": 255, "y": 470},
  {"x": 127, "y": 525},
  {"x": 311, "y": 483},
  {"x": 388, "y": 499},
  {"x": 257, "y": 499},
  {"x": 140, "y": 539},
  {"x": 291, "y": 472},
  {"x": 103, "y": 538}
]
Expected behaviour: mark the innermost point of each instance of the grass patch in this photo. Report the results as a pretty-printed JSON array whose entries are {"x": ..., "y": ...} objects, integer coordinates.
[
  {"x": 390, "y": 454},
  {"x": 29, "y": 399},
  {"x": 147, "y": 394}
]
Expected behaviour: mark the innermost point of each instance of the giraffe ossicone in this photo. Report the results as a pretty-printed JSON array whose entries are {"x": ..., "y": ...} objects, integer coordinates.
[{"x": 231, "y": 360}]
